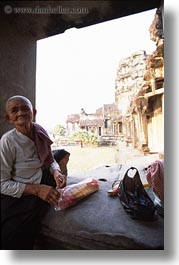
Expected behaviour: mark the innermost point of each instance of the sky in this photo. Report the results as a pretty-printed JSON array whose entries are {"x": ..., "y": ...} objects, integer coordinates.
[{"x": 77, "y": 69}]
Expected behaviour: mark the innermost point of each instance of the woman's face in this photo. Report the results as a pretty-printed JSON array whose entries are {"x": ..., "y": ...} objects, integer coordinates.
[{"x": 19, "y": 112}]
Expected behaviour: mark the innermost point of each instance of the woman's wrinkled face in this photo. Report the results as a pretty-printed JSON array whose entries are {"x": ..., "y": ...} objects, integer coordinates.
[{"x": 19, "y": 112}]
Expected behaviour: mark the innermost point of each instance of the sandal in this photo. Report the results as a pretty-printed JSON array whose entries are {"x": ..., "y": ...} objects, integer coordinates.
[{"x": 115, "y": 188}]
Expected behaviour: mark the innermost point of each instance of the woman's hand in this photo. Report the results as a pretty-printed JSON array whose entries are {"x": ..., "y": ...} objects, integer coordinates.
[
  {"x": 45, "y": 192},
  {"x": 59, "y": 179},
  {"x": 49, "y": 194}
]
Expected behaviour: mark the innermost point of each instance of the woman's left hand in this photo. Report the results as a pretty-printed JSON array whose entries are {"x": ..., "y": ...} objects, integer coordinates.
[{"x": 59, "y": 179}]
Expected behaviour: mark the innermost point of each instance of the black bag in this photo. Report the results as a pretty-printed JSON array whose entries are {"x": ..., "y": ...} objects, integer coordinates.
[{"x": 134, "y": 198}]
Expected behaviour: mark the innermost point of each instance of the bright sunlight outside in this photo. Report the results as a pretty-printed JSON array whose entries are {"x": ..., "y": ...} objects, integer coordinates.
[{"x": 77, "y": 69}]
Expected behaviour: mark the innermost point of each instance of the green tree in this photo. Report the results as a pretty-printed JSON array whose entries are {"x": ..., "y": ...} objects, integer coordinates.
[
  {"x": 92, "y": 138},
  {"x": 59, "y": 130},
  {"x": 84, "y": 137}
]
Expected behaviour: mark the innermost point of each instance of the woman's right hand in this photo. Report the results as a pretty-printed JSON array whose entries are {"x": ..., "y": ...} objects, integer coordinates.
[
  {"x": 49, "y": 194},
  {"x": 45, "y": 192}
]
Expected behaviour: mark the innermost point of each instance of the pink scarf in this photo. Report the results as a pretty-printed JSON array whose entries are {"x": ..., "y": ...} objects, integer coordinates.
[
  {"x": 155, "y": 177},
  {"x": 43, "y": 143}
]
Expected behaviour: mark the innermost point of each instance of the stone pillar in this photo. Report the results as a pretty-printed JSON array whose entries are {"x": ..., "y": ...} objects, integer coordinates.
[
  {"x": 18, "y": 67},
  {"x": 142, "y": 105}
]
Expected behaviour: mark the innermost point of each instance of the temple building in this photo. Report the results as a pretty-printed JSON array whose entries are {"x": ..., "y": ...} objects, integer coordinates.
[
  {"x": 106, "y": 121},
  {"x": 139, "y": 94},
  {"x": 137, "y": 115}
]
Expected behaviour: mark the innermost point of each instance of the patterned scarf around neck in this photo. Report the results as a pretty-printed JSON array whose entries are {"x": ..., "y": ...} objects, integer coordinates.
[{"x": 43, "y": 145}]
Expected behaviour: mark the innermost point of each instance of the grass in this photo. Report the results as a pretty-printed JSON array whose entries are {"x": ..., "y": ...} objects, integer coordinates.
[{"x": 86, "y": 158}]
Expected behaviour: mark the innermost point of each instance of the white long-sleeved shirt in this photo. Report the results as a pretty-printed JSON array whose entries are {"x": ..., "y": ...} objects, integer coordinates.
[{"x": 20, "y": 164}]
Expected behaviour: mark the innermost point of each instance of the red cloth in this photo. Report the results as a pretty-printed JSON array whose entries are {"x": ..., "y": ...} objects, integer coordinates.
[
  {"x": 43, "y": 145},
  {"x": 155, "y": 178}
]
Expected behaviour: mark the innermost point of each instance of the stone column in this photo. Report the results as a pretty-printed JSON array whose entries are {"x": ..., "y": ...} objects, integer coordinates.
[
  {"x": 18, "y": 67},
  {"x": 142, "y": 105}
]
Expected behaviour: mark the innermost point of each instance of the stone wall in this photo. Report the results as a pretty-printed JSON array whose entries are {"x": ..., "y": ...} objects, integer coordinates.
[
  {"x": 18, "y": 68},
  {"x": 139, "y": 93}
]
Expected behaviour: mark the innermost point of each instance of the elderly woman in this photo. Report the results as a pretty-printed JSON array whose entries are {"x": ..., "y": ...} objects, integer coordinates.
[{"x": 29, "y": 176}]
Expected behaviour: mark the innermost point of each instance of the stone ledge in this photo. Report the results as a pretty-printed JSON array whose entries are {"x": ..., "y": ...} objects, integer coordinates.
[{"x": 99, "y": 222}]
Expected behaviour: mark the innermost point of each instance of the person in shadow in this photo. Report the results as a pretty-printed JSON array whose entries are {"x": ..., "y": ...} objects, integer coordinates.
[{"x": 62, "y": 158}]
